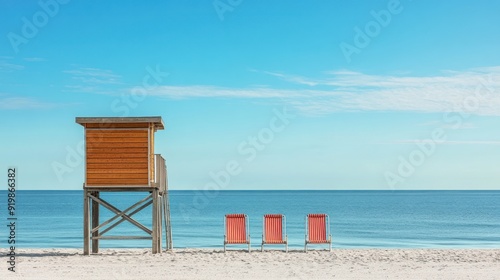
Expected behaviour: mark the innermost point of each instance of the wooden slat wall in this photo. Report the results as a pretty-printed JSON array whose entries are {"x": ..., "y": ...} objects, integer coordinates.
[
  {"x": 116, "y": 125},
  {"x": 152, "y": 152},
  {"x": 117, "y": 157}
]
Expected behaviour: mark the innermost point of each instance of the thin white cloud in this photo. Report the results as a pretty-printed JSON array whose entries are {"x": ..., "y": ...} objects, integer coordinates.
[
  {"x": 293, "y": 78},
  {"x": 473, "y": 142},
  {"x": 10, "y": 67},
  {"x": 464, "y": 125},
  {"x": 179, "y": 92},
  {"x": 475, "y": 91},
  {"x": 93, "y": 80},
  {"x": 23, "y": 103},
  {"x": 94, "y": 76}
]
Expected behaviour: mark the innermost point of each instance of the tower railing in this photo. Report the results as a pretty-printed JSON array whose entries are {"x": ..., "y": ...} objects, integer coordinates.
[{"x": 161, "y": 182}]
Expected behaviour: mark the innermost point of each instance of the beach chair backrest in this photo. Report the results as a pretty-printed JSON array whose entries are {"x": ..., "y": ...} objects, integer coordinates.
[
  {"x": 317, "y": 227},
  {"x": 236, "y": 230},
  {"x": 273, "y": 227}
]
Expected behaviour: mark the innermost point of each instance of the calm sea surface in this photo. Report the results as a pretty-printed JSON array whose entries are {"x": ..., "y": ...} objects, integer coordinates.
[{"x": 375, "y": 219}]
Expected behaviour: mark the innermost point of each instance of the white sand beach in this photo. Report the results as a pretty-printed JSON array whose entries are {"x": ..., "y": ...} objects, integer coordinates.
[{"x": 214, "y": 264}]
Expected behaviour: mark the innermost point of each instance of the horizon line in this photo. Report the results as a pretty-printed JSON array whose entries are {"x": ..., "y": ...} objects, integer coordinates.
[{"x": 288, "y": 190}]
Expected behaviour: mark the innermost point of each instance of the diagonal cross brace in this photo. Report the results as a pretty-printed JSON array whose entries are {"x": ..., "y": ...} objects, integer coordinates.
[
  {"x": 120, "y": 213},
  {"x": 130, "y": 215},
  {"x": 124, "y": 211}
]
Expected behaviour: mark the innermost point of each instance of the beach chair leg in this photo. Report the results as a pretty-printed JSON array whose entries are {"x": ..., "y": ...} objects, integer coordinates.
[
  {"x": 330, "y": 239},
  {"x": 249, "y": 247},
  {"x": 262, "y": 247},
  {"x": 224, "y": 247},
  {"x": 286, "y": 243},
  {"x": 305, "y": 247}
]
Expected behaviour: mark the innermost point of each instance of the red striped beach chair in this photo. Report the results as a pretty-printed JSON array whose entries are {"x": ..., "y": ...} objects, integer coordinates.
[
  {"x": 318, "y": 230},
  {"x": 274, "y": 230},
  {"x": 236, "y": 230}
]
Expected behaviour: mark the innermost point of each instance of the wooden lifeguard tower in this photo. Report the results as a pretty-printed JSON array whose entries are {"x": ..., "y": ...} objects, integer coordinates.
[{"x": 119, "y": 157}]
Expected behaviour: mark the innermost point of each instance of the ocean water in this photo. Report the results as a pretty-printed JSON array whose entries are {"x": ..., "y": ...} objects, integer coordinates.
[{"x": 359, "y": 219}]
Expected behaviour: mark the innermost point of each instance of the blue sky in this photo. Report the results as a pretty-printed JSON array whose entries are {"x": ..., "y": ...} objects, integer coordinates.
[{"x": 324, "y": 95}]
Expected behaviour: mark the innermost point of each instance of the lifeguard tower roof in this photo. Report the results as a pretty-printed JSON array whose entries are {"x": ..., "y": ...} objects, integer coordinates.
[{"x": 121, "y": 122}]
